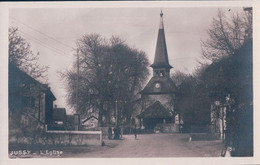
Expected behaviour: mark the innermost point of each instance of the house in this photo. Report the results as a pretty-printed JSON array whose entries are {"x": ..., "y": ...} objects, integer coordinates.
[
  {"x": 59, "y": 116},
  {"x": 59, "y": 119},
  {"x": 90, "y": 123},
  {"x": 30, "y": 105},
  {"x": 62, "y": 121},
  {"x": 73, "y": 122},
  {"x": 27, "y": 95}
]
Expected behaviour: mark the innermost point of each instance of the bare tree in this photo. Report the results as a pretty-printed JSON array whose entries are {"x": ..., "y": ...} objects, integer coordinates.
[
  {"x": 110, "y": 75},
  {"x": 21, "y": 56},
  {"x": 226, "y": 35}
]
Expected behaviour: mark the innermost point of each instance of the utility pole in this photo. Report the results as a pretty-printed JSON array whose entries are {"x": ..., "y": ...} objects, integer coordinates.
[
  {"x": 39, "y": 102},
  {"x": 77, "y": 92}
]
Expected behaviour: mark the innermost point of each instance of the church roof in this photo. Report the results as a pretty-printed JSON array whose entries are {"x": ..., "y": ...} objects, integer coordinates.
[
  {"x": 161, "y": 55},
  {"x": 167, "y": 86},
  {"x": 156, "y": 110}
]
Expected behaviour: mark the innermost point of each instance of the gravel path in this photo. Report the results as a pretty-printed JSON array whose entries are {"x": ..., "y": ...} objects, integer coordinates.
[{"x": 153, "y": 145}]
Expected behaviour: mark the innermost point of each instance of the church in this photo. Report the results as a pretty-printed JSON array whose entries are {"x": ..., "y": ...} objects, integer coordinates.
[{"x": 159, "y": 94}]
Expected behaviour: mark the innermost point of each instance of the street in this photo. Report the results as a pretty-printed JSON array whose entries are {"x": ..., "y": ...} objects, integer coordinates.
[{"x": 151, "y": 145}]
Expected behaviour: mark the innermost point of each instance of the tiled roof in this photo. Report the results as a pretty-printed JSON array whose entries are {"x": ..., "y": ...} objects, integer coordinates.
[
  {"x": 16, "y": 75},
  {"x": 156, "y": 110},
  {"x": 89, "y": 118}
]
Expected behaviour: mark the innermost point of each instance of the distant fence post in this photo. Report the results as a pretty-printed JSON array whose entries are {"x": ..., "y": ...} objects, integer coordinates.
[{"x": 101, "y": 138}]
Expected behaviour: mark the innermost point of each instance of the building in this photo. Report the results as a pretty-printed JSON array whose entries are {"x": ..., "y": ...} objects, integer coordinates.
[
  {"x": 59, "y": 116},
  {"x": 27, "y": 95},
  {"x": 63, "y": 121},
  {"x": 159, "y": 94},
  {"x": 30, "y": 106},
  {"x": 232, "y": 113},
  {"x": 90, "y": 123}
]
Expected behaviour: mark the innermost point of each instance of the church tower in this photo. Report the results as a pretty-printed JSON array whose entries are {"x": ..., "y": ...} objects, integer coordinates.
[
  {"x": 159, "y": 93},
  {"x": 161, "y": 66}
]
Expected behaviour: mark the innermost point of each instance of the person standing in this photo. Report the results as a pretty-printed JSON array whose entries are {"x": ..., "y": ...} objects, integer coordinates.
[
  {"x": 109, "y": 133},
  {"x": 135, "y": 132},
  {"x": 116, "y": 132}
]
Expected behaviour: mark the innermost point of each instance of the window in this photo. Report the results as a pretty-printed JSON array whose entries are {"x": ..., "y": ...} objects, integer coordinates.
[{"x": 58, "y": 122}]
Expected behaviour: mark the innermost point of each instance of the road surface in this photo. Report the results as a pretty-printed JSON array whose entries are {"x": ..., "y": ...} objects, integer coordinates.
[{"x": 151, "y": 145}]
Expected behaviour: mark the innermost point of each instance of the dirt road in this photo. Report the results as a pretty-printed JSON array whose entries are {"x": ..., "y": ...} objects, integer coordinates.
[{"x": 153, "y": 145}]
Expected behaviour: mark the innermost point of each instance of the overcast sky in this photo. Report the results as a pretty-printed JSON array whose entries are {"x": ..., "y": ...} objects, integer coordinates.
[{"x": 53, "y": 32}]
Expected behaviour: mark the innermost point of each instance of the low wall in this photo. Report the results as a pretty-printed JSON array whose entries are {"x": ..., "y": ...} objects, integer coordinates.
[
  {"x": 168, "y": 128},
  {"x": 59, "y": 137},
  {"x": 204, "y": 136},
  {"x": 74, "y": 137},
  {"x": 103, "y": 129}
]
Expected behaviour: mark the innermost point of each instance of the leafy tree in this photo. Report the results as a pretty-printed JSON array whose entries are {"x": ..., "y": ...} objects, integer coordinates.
[
  {"x": 21, "y": 56},
  {"x": 232, "y": 78},
  {"x": 179, "y": 77},
  {"x": 192, "y": 100},
  {"x": 229, "y": 79},
  {"x": 110, "y": 75}
]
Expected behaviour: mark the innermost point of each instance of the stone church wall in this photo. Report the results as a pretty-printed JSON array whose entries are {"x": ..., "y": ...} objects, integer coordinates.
[{"x": 168, "y": 128}]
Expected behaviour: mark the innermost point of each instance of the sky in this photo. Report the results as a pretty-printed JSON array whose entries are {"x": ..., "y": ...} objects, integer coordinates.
[{"x": 53, "y": 31}]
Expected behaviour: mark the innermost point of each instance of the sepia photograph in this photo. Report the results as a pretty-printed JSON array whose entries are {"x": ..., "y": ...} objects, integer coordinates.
[{"x": 130, "y": 82}]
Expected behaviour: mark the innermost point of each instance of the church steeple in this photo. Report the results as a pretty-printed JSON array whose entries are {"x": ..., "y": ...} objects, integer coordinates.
[
  {"x": 161, "y": 64},
  {"x": 161, "y": 21},
  {"x": 158, "y": 96}
]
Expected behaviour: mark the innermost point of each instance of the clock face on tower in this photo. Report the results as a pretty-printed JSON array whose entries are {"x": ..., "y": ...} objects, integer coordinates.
[{"x": 157, "y": 85}]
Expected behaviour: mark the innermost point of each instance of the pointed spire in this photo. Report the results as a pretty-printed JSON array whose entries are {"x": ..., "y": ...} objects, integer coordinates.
[
  {"x": 161, "y": 55},
  {"x": 161, "y": 21}
]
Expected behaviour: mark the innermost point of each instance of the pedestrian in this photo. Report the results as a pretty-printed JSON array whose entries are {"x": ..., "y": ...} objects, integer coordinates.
[
  {"x": 109, "y": 133},
  {"x": 121, "y": 132},
  {"x": 116, "y": 132},
  {"x": 181, "y": 127},
  {"x": 135, "y": 132}
]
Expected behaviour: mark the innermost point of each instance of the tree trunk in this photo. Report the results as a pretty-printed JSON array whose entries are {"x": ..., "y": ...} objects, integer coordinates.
[{"x": 100, "y": 115}]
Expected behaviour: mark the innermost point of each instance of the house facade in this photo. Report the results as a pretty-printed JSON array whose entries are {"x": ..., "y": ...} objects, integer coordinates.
[
  {"x": 27, "y": 95},
  {"x": 30, "y": 104},
  {"x": 90, "y": 123}
]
